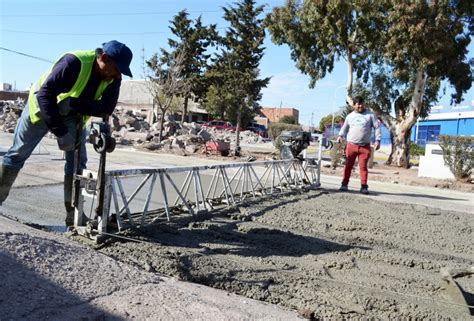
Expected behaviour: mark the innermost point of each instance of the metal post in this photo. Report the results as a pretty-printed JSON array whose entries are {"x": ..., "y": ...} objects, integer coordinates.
[{"x": 334, "y": 108}]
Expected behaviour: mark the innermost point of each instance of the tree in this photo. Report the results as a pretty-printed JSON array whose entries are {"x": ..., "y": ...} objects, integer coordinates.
[
  {"x": 235, "y": 73},
  {"x": 327, "y": 120},
  {"x": 399, "y": 51},
  {"x": 435, "y": 37},
  {"x": 287, "y": 119},
  {"x": 193, "y": 40},
  {"x": 319, "y": 33},
  {"x": 164, "y": 84}
]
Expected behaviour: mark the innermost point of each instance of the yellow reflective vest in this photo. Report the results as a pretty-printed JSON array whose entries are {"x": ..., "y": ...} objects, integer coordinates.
[{"x": 87, "y": 59}]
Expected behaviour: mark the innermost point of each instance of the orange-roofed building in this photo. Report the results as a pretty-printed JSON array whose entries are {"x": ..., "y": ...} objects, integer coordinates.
[{"x": 274, "y": 114}]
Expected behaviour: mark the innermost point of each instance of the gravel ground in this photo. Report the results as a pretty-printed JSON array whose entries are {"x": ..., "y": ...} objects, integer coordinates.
[{"x": 327, "y": 255}]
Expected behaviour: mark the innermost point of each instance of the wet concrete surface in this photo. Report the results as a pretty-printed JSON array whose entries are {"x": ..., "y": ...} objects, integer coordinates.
[{"x": 312, "y": 252}]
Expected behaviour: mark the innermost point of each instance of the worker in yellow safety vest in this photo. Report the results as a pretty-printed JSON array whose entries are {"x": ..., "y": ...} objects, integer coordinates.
[{"x": 85, "y": 83}]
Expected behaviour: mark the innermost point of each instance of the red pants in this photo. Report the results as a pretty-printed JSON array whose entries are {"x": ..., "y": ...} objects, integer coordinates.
[{"x": 352, "y": 152}]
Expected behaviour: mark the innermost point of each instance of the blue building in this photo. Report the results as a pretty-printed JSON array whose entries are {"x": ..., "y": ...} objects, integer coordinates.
[
  {"x": 459, "y": 123},
  {"x": 452, "y": 123},
  {"x": 328, "y": 132}
]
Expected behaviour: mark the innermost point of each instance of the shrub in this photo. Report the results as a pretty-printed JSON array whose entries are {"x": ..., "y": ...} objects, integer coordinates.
[
  {"x": 458, "y": 154},
  {"x": 275, "y": 129},
  {"x": 287, "y": 119},
  {"x": 337, "y": 154},
  {"x": 416, "y": 150}
]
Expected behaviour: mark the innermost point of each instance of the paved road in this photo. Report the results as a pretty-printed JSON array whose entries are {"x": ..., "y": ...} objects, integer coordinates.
[
  {"x": 428, "y": 196},
  {"x": 37, "y": 193}
]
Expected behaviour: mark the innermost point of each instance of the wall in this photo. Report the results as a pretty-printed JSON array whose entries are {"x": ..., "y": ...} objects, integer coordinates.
[
  {"x": 275, "y": 114},
  {"x": 432, "y": 163},
  {"x": 385, "y": 140},
  {"x": 13, "y": 95},
  {"x": 135, "y": 95},
  {"x": 454, "y": 127}
]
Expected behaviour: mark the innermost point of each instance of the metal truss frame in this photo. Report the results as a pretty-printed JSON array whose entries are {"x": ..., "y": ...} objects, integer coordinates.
[{"x": 162, "y": 193}]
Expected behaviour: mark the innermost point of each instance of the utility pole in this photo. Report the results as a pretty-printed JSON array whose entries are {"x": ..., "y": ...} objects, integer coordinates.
[
  {"x": 311, "y": 124},
  {"x": 279, "y": 114}
]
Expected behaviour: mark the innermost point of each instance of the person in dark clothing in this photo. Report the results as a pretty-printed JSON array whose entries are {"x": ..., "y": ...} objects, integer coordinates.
[{"x": 79, "y": 84}]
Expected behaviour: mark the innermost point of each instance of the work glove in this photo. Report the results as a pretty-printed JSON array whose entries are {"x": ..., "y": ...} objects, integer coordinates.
[
  {"x": 65, "y": 107},
  {"x": 66, "y": 142}
]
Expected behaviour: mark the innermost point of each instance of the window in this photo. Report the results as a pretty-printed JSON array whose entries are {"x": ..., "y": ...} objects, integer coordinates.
[{"x": 428, "y": 134}]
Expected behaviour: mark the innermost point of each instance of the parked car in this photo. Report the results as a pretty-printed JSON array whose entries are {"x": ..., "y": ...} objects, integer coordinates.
[
  {"x": 220, "y": 124},
  {"x": 258, "y": 129}
]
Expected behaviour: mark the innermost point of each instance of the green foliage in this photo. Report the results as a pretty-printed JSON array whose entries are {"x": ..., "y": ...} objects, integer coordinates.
[
  {"x": 337, "y": 154},
  {"x": 399, "y": 51},
  {"x": 235, "y": 72},
  {"x": 287, "y": 119},
  {"x": 275, "y": 129},
  {"x": 193, "y": 41},
  {"x": 319, "y": 33},
  {"x": 327, "y": 120},
  {"x": 217, "y": 101},
  {"x": 435, "y": 37},
  {"x": 416, "y": 150},
  {"x": 458, "y": 154}
]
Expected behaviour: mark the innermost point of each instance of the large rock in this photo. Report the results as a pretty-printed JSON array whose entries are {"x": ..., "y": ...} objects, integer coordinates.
[
  {"x": 204, "y": 134},
  {"x": 10, "y": 111},
  {"x": 177, "y": 143}
]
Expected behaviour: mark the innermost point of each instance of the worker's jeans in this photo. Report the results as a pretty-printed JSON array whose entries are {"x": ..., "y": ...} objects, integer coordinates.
[
  {"x": 27, "y": 136},
  {"x": 352, "y": 152}
]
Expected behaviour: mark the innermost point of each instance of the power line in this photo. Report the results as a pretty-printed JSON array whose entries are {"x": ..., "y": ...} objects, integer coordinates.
[
  {"x": 105, "y": 14},
  {"x": 113, "y": 14},
  {"x": 27, "y": 55},
  {"x": 82, "y": 34},
  {"x": 90, "y": 34}
]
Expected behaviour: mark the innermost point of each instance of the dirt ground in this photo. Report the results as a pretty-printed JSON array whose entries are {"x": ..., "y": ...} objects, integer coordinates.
[
  {"x": 380, "y": 172},
  {"x": 323, "y": 253},
  {"x": 384, "y": 173}
]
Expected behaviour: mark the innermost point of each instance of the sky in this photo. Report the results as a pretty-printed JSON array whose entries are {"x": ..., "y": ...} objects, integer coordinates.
[{"x": 47, "y": 29}]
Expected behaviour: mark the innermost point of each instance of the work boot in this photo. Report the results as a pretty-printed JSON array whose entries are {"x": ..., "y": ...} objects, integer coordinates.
[
  {"x": 343, "y": 188},
  {"x": 7, "y": 178},
  {"x": 68, "y": 181},
  {"x": 364, "y": 189},
  {"x": 69, "y": 214},
  {"x": 68, "y": 200}
]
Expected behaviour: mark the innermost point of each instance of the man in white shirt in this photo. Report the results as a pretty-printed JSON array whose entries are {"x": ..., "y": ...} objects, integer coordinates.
[{"x": 358, "y": 129}]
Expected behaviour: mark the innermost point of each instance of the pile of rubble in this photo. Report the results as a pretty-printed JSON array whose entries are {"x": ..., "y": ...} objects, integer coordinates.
[
  {"x": 10, "y": 111},
  {"x": 130, "y": 127}
]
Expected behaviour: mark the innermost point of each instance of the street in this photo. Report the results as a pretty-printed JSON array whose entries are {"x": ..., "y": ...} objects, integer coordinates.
[{"x": 37, "y": 195}]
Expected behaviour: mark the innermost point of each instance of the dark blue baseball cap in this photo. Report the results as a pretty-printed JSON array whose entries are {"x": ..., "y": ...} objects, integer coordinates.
[{"x": 120, "y": 54}]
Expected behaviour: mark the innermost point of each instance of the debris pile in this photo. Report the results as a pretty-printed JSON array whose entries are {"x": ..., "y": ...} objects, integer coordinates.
[
  {"x": 130, "y": 127},
  {"x": 10, "y": 111}
]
